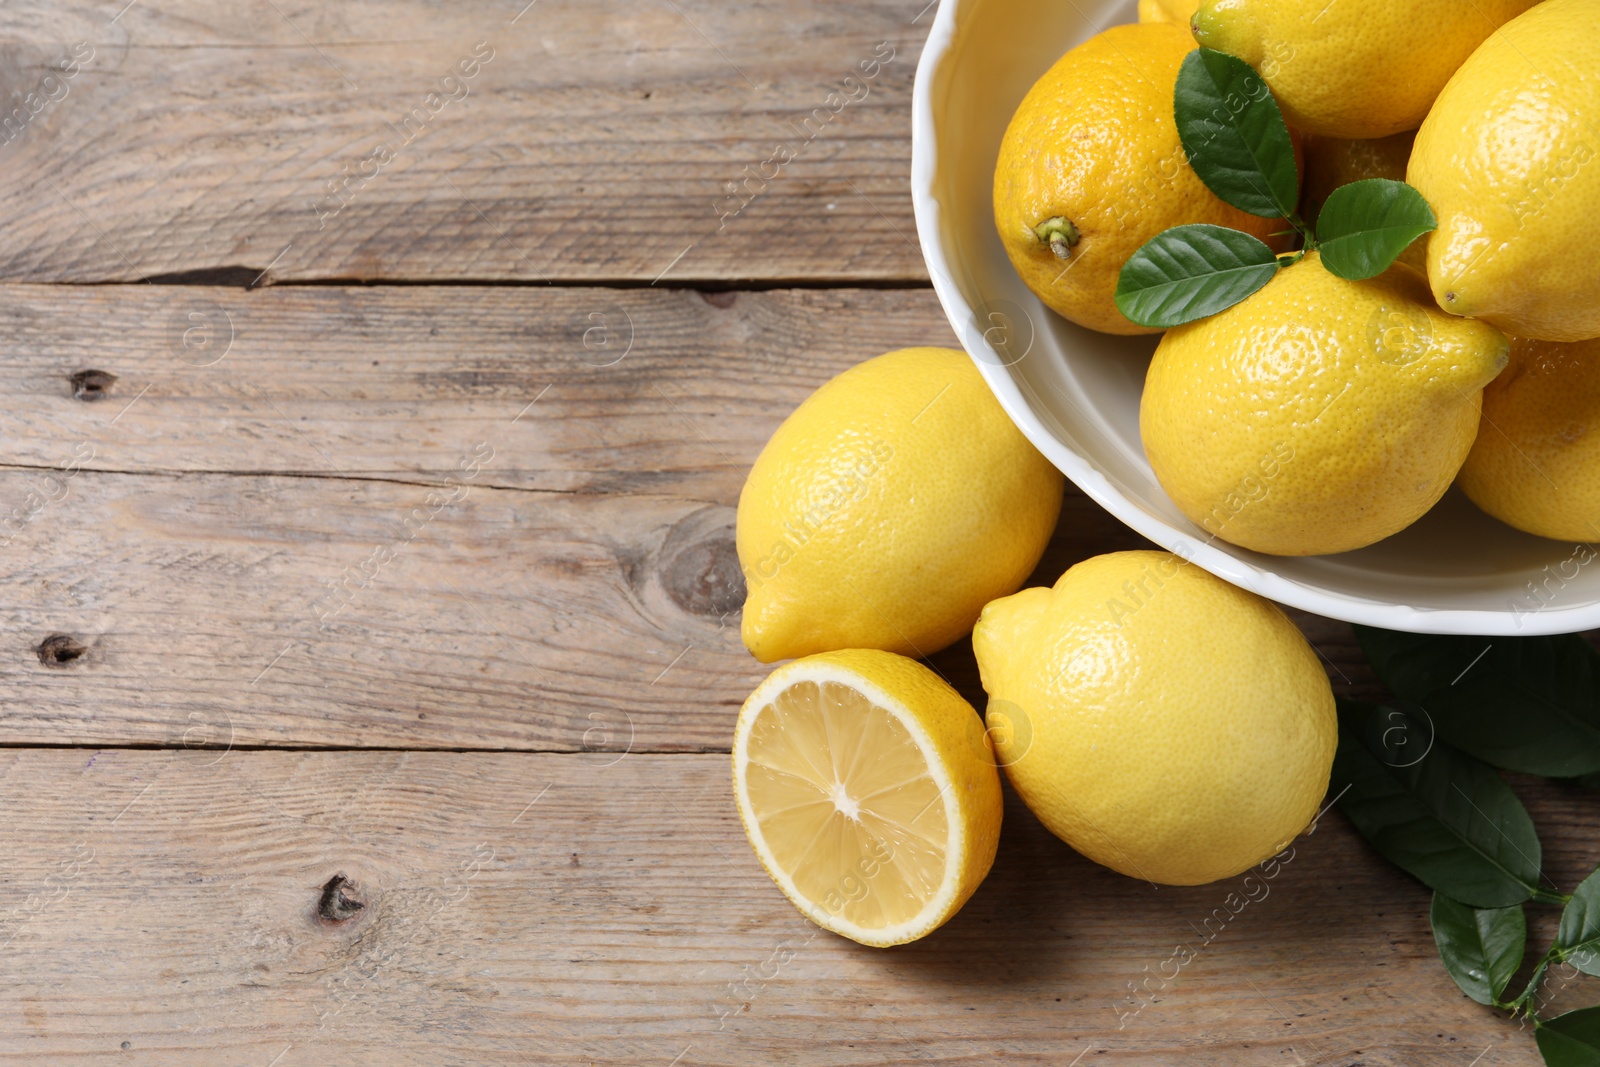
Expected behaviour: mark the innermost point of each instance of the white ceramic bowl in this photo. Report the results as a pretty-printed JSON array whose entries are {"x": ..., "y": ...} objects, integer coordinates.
[{"x": 1075, "y": 393}]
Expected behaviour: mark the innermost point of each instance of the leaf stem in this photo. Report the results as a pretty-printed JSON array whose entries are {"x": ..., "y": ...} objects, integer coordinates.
[
  {"x": 1303, "y": 228},
  {"x": 1523, "y": 1003},
  {"x": 1545, "y": 896}
]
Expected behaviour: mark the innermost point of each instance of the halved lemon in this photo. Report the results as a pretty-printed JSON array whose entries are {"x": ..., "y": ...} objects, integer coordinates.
[{"x": 868, "y": 789}]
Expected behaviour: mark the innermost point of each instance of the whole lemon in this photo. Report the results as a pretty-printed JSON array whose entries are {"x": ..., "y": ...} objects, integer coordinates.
[
  {"x": 1160, "y": 721},
  {"x": 894, "y": 503},
  {"x": 1508, "y": 160},
  {"x": 1091, "y": 168},
  {"x": 1536, "y": 463},
  {"x": 1353, "y": 68},
  {"x": 1318, "y": 415},
  {"x": 1179, "y": 11},
  {"x": 1335, "y": 161}
]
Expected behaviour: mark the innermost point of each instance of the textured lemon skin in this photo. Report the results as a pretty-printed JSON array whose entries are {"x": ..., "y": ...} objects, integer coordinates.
[
  {"x": 1353, "y": 68},
  {"x": 1536, "y": 462},
  {"x": 893, "y": 504},
  {"x": 1178, "y": 11},
  {"x": 1509, "y": 158},
  {"x": 957, "y": 736},
  {"x": 1094, "y": 142},
  {"x": 1319, "y": 415},
  {"x": 1335, "y": 161},
  {"x": 1160, "y": 721}
]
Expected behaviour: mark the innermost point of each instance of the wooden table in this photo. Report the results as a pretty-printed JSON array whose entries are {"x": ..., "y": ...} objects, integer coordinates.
[{"x": 373, "y": 435}]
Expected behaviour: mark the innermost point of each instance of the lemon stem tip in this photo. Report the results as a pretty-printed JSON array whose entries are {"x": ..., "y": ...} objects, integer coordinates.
[{"x": 1060, "y": 234}]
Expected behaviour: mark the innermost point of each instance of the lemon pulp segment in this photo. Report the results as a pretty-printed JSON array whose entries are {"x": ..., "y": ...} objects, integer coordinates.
[{"x": 847, "y": 806}]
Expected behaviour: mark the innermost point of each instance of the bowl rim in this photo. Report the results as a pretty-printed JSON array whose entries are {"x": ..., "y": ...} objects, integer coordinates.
[{"x": 1535, "y": 621}]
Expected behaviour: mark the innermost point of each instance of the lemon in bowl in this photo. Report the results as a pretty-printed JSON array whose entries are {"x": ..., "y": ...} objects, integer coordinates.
[
  {"x": 1287, "y": 425},
  {"x": 1076, "y": 393}
]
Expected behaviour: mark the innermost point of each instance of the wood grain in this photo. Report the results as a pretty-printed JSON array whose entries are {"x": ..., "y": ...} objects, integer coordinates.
[
  {"x": 216, "y": 610},
  {"x": 595, "y": 142},
  {"x": 314, "y": 611},
  {"x": 546, "y": 908},
  {"x": 577, "y": 390}
]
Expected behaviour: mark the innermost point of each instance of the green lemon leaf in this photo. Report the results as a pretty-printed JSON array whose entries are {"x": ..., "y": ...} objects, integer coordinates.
[
  {"x": 1365, "y": 226},
  {"x": 1234, "y": 134},
  {"x": 1579, "y": 937},
  {"x": 1481, "y": 947},
  {"x": 1529, "y": 704},
  {"x": 1189, "y": 272},
  {"x": 1571, "y": 1040},
  {"x": 1439, "y": 814}
]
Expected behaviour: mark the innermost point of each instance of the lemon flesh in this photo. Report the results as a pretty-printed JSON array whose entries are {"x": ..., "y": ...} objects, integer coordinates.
[
  {"x": 1509, "y": 160},
  {"x": 1162, "y": 722},
  {"x": 875, "y": 806}
]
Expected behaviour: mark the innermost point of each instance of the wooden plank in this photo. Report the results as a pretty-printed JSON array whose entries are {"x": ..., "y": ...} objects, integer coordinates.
[
  {"x": 591, "y": 141},
  {"x": 549, "y": 909},
  {"x": 630, "y": 390},
  {"x": 333, "y": 612}
]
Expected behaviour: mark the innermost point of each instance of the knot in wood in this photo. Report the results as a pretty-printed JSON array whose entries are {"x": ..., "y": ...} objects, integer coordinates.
[
  {"x": 92, "y": 385},
  {"x": 340, "y": 901},
  {"x": 699, "y": 564},
  {"x": 61, "y": 651}
]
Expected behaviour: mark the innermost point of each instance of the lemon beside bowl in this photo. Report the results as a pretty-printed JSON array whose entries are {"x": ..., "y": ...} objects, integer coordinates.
[{"x": 1075, "y": 393}]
